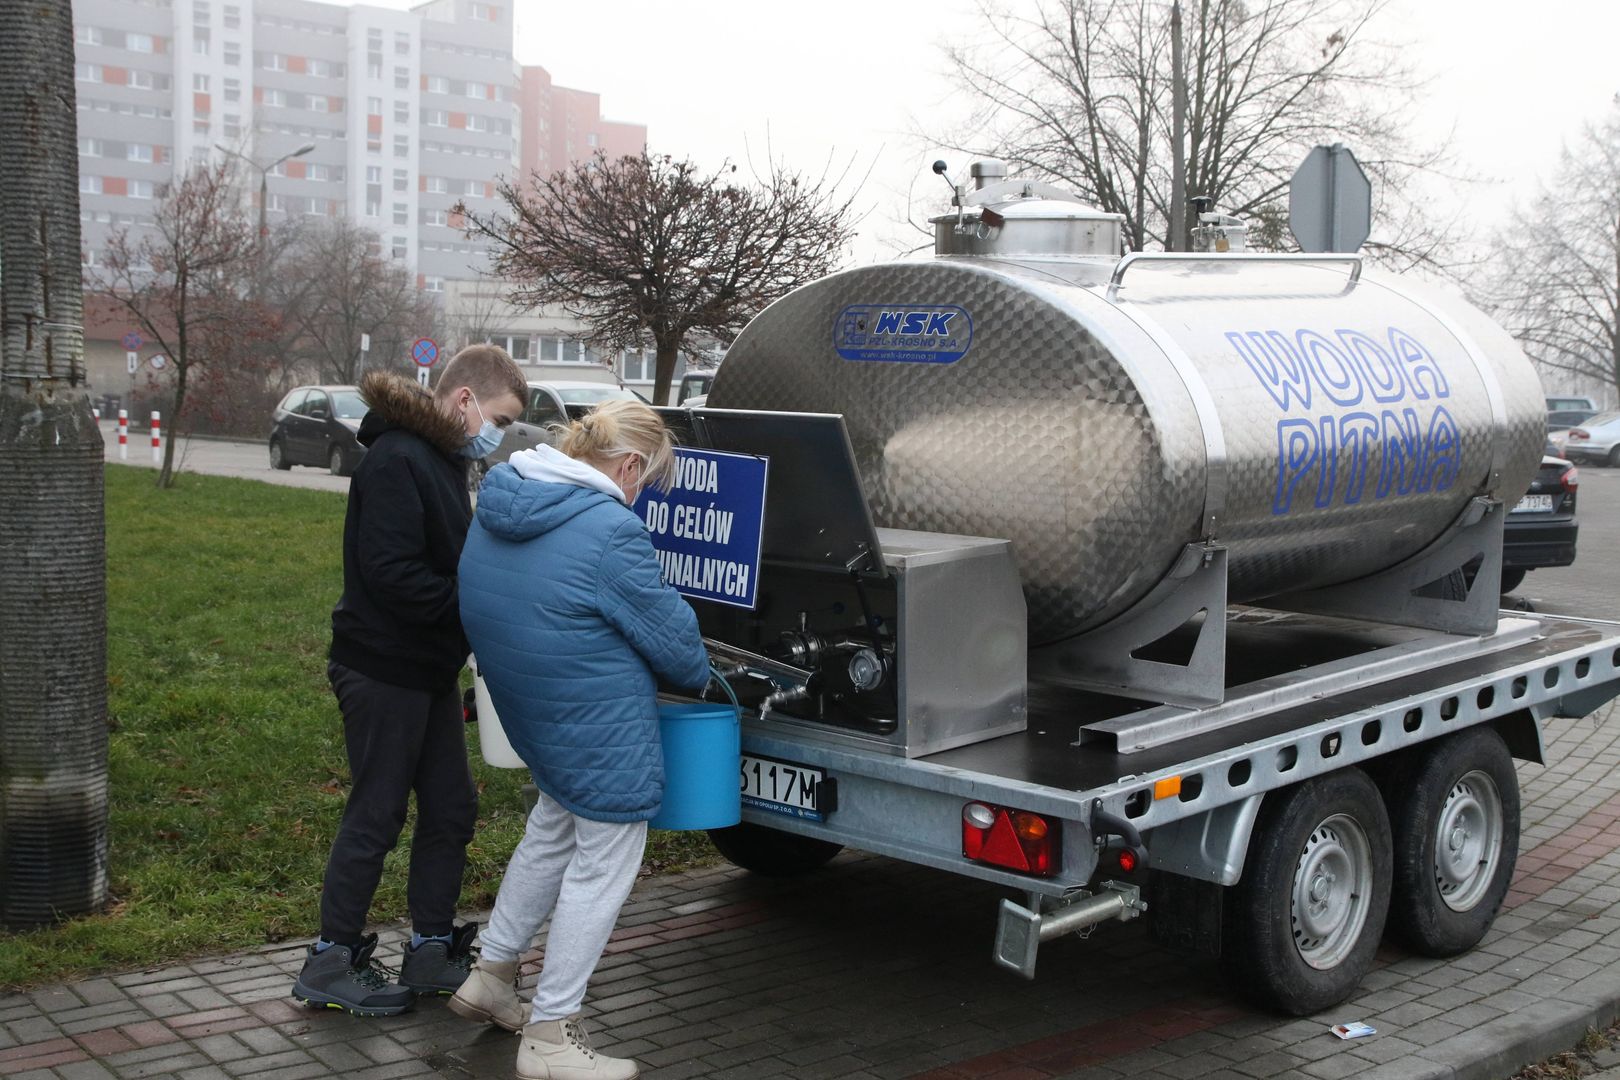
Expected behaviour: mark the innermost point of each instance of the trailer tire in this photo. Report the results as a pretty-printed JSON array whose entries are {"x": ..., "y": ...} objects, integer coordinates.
[
  {"x": 1462, "y": 788},
  {"x": 772, "y": 853},
  {"x": 1302, "y": 926}
]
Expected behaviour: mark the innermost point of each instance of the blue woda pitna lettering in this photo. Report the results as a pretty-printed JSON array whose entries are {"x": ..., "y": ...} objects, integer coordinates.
[{"x": 1388, "y": 433}]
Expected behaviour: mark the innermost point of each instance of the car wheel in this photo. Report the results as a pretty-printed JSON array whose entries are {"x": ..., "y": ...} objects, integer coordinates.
[
  {"x": 335, "y": 463},
  {"x": 1512, "y": 578},
  {"x": 1455, "y": 813},
  {"x": 278, "y": 456},
  {"x": 1613, "y": 460},
  {"x": 1303, "y": 923}
]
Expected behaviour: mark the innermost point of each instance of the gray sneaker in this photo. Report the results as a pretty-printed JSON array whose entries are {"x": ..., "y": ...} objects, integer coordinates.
[
  {"x": 439, "y": 967},
  {"x": 343, "y": 978}
]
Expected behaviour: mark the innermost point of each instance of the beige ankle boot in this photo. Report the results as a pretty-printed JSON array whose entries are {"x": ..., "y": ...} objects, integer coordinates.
[
  {"x": 559, "y": 1050},
  {"x": 490, "y": 996}
]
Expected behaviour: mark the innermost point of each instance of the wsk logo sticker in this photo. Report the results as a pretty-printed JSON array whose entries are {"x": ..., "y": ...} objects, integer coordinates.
[{"x": 903, "y": 333}]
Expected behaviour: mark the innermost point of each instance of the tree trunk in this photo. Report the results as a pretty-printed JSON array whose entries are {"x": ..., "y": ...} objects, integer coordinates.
[
  {"x": 668, "y": 348},
  {"x": 172, "y": 426},
  {"x": 53, "y": 605}
]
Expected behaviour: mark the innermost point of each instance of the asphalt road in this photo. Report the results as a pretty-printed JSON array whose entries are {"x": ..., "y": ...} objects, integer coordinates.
[{"x": 216, "y": 457}]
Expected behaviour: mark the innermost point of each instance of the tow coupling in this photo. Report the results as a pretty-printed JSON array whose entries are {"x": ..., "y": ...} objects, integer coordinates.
[{"x": 1020, "y": 930}]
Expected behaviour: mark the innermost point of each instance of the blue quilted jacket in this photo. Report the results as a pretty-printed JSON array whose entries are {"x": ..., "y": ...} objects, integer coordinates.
[{"x": 569, "y": 617}]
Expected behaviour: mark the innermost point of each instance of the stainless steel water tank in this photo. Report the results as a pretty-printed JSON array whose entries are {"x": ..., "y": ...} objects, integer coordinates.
[{"x": 1321, "y": 422}]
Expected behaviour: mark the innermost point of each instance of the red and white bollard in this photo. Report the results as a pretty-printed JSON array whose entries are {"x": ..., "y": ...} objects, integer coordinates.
[
  {"x": 157, "y": 439},
  {"x": 96, "y": 412},
  {"x": 123, "y": 434}
]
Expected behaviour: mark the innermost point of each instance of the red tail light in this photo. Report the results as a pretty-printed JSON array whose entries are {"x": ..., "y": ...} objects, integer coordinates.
[
  {"x": 1570, "y": 479},
  {"x": 1012, "y": 839},
  {"x": 1579, "y": 433}
]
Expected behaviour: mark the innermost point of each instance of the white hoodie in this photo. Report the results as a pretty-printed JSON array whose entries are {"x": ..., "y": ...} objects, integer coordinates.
[{"x": 550, "y": 465}]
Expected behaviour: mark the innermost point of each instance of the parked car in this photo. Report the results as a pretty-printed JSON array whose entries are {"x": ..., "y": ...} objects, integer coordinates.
[
  {"x": 1596, "y": 440},
  {"x": 554, "y": 403},
  {"x": 694, "y": 384},
  {"x": 1564, "y": 419},
  {"x": 1541, "y": 529},
  {"x": 1560, "y": 404},
  {"x": 316, "y": 425}
]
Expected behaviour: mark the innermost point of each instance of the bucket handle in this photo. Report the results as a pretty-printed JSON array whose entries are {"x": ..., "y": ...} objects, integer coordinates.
[{"x": 715, "y": 676}]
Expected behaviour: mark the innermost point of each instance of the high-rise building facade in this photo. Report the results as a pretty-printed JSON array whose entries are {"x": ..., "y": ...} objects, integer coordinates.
[{"x": 408, "y": 112}]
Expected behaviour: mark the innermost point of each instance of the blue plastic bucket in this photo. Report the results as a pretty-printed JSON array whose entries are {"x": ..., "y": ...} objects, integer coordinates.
[{"x": 702, "y": 746}]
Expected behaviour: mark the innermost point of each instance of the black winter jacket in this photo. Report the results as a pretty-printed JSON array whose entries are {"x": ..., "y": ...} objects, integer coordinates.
[{"x": 399, "y": 619}]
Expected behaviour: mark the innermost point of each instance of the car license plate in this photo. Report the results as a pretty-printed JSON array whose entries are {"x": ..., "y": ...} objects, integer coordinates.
[
  {"x": 783, "y": 787},
  {"x": 1534, "y": 504}
]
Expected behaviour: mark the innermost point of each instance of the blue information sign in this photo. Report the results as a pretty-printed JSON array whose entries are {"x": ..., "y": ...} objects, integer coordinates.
[{"x": 707, "y": 528}]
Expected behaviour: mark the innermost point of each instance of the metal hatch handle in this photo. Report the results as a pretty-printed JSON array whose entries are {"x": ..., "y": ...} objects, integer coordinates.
[{"x": 1134, "y": 257}]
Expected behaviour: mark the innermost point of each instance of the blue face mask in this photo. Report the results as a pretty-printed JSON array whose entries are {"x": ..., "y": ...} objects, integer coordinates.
[{"x": 488, "y": 439}]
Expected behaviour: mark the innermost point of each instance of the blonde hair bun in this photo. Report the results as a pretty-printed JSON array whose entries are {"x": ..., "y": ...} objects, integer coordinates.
[{"x": 616, "y": 428}]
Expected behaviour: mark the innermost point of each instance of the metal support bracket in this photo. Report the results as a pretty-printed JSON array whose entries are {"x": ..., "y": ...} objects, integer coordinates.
[
  {"x": 1020, "y": 931},
  {"x": 1403, "y": 594},
  {"x": 1105, "y": 658}
]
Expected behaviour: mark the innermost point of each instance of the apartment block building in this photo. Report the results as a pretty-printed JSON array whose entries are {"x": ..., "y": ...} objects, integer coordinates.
[{"x": 407, "y": 114}]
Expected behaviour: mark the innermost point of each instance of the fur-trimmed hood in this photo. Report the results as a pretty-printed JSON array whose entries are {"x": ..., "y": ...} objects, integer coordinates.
[{"x": 398, "y": 402}]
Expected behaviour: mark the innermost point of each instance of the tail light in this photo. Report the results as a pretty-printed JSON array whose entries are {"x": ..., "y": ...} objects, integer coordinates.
[
  {"x": 1012, "y": 839},
  {"x": 1569, "y": 480},
  {"x": 1579, "y": 433}
]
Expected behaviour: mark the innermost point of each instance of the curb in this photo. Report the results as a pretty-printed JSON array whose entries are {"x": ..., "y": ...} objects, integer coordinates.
[{"x": 1525, "y": 1037}]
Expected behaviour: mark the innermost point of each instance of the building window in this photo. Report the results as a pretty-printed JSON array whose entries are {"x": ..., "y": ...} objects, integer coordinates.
[
  {"x": 402, "y": 180},
  {"x": 199, "y": 83},
  {"x": 402, "y": 42},
  {"x": 89, "y": 35},
  {"x": 200, "y": 41},
  {"x": 275, "y": 99},
  {"x": 140, "y": 189},
  {"x": 317, "y": 102},
  {"x": 484, "y": 12},
  {"x": 374, "y": 106},
  {"x": 273, "y": 62},
  {"x": 200, "y": 127},
  {"x": 139, "y": 152},
  {"x": 276, "y": 202},
  {"x": 87, "y": 72},
  {"x": 373, "y": 208},
  {"x": 233, "y": 89},
  {"x": 435, "y": 118},
  {"x": 435, "y": 217},
  {"x": 402, "y": 78},
  {"x": 398, "y": 250},
  {"x": 233, "y": 53},
  {"x": 402, "y": 112},
  {"x": 142, "y": 80},
  {"x": 473, "y": 188},
  {"x": 402, "y": 214},
  {"x": 374, "y": 69},
  {"x": 402, "y": 146},
  {"x": 373, "y": 174},
  {"x": 233, "y": 126},
  {"x": 89, "y": 185},
  {"x": 233, "y": 17},
  {"x": 89, "y": 147},
  {"x": 437, "y": 185},
  {"x": 433, "y": 284},
  {"x": 141, "y": 43},
  {"x": 438, "y": 84}
]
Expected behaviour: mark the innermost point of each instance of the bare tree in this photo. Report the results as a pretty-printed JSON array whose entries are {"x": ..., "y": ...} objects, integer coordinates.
[
  {"x": 649, "y": 247},
  {"x": 334, "y": 286},
  {"x": 53, "y": 601},
  {"x": 186, "y": 282},
  {"x": 473, "y": 313},
  {"x": 1557, "y": 267},
  {"x": 1079, "y": 92}
]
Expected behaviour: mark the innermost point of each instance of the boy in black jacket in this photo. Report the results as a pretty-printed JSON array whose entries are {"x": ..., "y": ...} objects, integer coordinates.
[{"x": 397, "y": 652}]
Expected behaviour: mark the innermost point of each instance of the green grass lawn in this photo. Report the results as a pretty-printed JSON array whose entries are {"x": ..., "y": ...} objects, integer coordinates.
[{"x": 227, "y": 765}]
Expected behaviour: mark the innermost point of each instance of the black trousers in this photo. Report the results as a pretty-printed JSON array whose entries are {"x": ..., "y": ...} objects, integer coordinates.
[{"x": 399, "y": 741}]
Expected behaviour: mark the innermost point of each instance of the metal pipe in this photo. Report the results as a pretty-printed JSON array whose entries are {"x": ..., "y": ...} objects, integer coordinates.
[{"x": 1088, "y": 912}]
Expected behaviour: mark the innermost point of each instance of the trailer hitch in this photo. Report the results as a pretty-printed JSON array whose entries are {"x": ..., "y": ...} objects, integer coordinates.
[{"x": 1020, "y": 931}]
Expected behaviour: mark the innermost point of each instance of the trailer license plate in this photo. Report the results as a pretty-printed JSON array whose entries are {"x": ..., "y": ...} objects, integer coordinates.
[
  {"x": 1534, "y": 504},
  {"x": 783, "y": 787}
]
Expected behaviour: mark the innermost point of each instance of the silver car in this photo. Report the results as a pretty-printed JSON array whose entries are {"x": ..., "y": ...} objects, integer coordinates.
[
  {"x": 553, "y": 403},
  {"x": 1595, "y": 441}
]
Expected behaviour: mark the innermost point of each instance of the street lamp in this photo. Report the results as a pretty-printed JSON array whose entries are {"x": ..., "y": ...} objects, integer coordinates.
[{"x": 264, "y": 191}]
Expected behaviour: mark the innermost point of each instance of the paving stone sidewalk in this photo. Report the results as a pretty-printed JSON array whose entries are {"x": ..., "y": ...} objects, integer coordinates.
[{"x": 875, "y": 968}]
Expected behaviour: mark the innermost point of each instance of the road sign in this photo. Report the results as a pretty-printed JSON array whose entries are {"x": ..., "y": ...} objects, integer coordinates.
[
  {"x": 157, "y": 361},
  {"x": 133, "y": 359},
  {"x": 1330, "y": 201},
  {"x": 365, "y": 342},
  {"x": 132, "y": 340},
  {"x": 708, "y": 527},
  {"x": 425, "y": 352}
]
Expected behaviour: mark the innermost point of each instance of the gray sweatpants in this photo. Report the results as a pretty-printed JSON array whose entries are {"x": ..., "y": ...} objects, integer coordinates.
[{"x": 577, "y": 871}]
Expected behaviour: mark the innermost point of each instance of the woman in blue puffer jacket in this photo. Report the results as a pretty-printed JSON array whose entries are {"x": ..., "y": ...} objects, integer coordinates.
[{"x": 565, "y": 608}]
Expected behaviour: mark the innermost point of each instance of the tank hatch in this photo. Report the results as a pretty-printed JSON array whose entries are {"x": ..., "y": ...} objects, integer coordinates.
[{"x": 1002, "y": 217}]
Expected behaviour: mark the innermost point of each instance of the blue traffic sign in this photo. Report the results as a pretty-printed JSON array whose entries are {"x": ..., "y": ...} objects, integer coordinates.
[
  {"x": 707, "y": 528},
  {"x": 425, "y": 352}
]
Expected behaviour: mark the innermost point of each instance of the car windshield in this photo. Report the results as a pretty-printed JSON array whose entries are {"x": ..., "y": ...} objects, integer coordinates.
[
  {"x": 593, "y": 395},
  {"x": 1601, "y": 419},
  {"x": 348, "y": 405}
]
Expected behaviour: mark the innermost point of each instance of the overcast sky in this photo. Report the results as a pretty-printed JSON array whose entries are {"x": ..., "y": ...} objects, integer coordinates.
[{"x": 711, "y": 78}]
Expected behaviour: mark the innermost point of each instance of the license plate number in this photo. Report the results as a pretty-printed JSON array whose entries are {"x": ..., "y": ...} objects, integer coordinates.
[
  {"x": 782, "y": 787},
  {"x": 1534, "y": 504}
]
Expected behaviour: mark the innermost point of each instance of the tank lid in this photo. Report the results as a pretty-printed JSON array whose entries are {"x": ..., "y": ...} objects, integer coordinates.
[{"x": 1023, "y": 217}]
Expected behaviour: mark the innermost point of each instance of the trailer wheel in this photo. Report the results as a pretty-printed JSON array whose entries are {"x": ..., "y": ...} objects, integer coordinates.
[
  {"x": 771, "y": 853},
  {"x": 1455, "y": 810},
  {"x": 1303, "y": 924}
]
